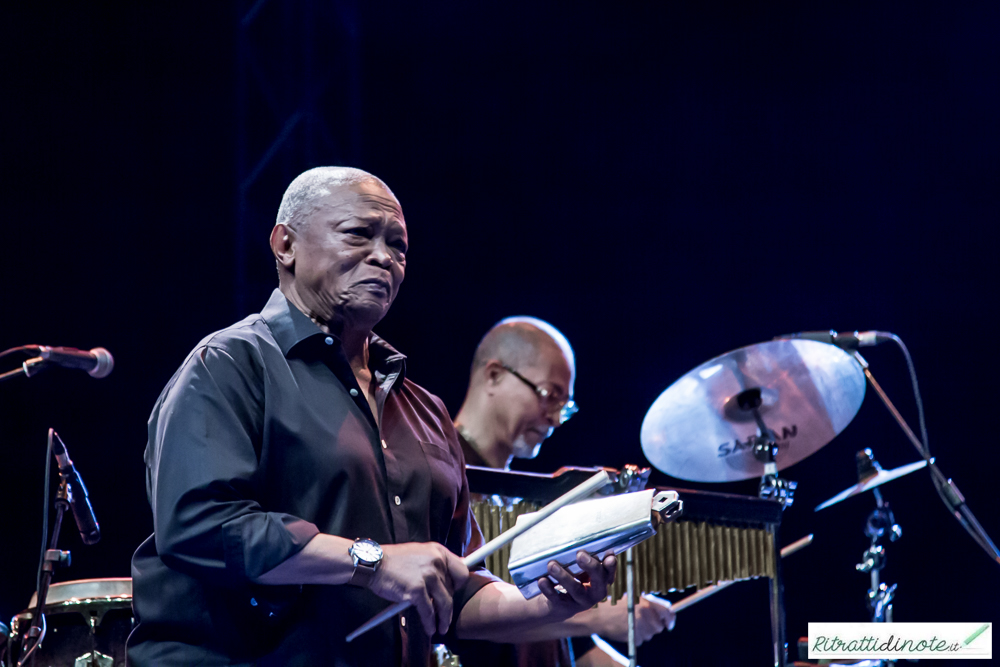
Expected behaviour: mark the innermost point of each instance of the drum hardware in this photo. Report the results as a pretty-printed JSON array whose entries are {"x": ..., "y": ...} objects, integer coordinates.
[
  {"x": 880, "y": 523},
  {"x": 765, "y": 450},
  {"x": 632, "y": 479},
  {"x": 630, "y": 588},
  {"x": 946, "y": 487},
  {"x": 719, "y": 422},
  {"x": 869, "y": 478}
]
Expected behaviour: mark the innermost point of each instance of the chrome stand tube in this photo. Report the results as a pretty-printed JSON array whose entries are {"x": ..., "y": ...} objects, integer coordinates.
[{"x": 630, "y": 597}]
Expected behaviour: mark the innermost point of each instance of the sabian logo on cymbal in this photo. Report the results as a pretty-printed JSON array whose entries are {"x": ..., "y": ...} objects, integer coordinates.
[{"x": 729, "y": 448}]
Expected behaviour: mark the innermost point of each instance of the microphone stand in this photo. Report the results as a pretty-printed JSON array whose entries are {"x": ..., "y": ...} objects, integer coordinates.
[
  {"x": 946, "y": 488},
  {"x": 53, "y": 558},
  {"x": 28, "y": 368}
]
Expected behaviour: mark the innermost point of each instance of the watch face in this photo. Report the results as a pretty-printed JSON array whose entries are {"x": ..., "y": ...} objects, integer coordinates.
[{"x": 367, "y": 550}]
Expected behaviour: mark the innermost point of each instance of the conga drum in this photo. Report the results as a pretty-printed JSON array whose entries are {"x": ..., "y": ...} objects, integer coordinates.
[{"x": 87, "y": 623}]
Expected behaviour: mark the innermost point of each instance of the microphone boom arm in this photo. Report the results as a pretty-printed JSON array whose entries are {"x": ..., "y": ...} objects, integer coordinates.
[{"x": 946, "y": 488}]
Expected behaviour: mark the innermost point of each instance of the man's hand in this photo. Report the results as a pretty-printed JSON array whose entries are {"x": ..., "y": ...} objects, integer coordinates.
[
  {"x": 650, "y": 620},
  {"x": 425, "y": 575},
  {"x": 581, "y": 593}
]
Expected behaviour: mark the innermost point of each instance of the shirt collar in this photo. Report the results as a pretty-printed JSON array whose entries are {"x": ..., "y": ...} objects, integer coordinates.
[{"x": 291, "y": 327}]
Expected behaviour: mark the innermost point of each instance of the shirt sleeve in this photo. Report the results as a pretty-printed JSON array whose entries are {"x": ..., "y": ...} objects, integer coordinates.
[{"x": 203, "y": 470}]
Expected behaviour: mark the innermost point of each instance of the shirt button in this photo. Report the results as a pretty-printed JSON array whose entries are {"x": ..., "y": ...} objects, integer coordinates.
[
  {"x": 398, "y": 500},
  {"x": 385, "y": 446},
  {"x": 402, "y": 621},
  {"x": 329, "y": 340},
  {"x": 354, "y": 392}
]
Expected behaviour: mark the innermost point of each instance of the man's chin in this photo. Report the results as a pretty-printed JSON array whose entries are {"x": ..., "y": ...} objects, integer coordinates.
[
  {"x": 367, "y": 312},
  {"x": 524, "y": 449}
]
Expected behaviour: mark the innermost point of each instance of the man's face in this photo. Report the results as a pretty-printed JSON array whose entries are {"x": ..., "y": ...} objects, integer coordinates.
[
  {"x": 350, "y": 255},
  {"x": 530, "y": 419}
]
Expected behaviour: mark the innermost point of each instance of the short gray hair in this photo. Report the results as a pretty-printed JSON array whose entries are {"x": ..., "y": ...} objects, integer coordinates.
[{"x": 302, "y": 196}]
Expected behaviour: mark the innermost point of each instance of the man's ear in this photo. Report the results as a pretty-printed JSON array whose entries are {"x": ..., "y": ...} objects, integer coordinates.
[
  {"x": 282, "y": 245},
  {"x": 493, "y": 372}
]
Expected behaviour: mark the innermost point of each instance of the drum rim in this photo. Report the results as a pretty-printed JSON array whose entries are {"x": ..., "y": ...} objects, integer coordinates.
[{"x": 54, "y": 599}]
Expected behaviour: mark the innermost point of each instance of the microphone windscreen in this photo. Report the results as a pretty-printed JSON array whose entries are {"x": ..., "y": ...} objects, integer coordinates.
[{"x": 105, "y": 363}]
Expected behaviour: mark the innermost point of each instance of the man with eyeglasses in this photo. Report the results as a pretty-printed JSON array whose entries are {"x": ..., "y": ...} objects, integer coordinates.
[{"x": 520, "y": 391}]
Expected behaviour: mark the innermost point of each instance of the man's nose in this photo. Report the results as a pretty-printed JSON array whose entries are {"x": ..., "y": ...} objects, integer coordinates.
[{"x": 380, "y": 254}]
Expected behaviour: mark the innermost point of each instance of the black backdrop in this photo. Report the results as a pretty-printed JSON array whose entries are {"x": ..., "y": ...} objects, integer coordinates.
[{"x": 663, "y": 184}]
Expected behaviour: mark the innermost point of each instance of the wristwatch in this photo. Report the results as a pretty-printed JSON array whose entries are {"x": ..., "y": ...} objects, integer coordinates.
[{"x": 366, "y": 554}]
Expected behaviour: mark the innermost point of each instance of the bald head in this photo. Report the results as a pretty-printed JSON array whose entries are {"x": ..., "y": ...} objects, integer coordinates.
[
  {"x": 519, "y": 391},
  {"x": 520, "y": 342},
  {"x": 306, "y": 193}
]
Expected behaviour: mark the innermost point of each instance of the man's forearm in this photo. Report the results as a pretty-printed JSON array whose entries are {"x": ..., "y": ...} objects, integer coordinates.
[
  {"x": 323, "y": 560},
  {"x": 540, "y": 626},
  {"x": 498, "y": 612},
  {"x": 583, "y": 624}
]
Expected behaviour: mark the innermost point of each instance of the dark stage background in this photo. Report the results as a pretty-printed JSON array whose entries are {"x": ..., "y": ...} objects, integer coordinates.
[{"x": 662, "y": 183}]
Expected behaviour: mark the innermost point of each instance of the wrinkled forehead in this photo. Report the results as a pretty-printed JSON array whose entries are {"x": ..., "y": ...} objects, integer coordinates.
[{"x": 366, "y": 198}]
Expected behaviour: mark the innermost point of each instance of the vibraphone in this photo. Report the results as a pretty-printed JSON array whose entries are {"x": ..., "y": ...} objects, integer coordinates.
[{"x": 719, "y": 537}]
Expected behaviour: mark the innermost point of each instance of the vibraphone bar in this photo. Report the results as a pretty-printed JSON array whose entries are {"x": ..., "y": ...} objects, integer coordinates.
[{"x": 719, "y": 537}]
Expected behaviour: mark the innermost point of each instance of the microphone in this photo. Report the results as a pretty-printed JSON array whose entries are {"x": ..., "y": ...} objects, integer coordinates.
[
  {"x": 79, "y": 503},
  {"x": 98, "y": 362},
  {"x": 848, "y": 340}
]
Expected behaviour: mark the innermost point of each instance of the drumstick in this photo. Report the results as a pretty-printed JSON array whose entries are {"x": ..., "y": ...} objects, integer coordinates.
[
  {"x": 683, "y": 603},
  {"x": 598, "y": 481}
]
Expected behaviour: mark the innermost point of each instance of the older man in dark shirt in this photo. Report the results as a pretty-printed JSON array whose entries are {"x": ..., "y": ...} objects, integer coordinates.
[{"x": 285, "y": 437}]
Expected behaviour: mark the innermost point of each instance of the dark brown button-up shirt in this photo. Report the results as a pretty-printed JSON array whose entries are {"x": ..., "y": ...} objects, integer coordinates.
[{"x": 261, "y": 440}]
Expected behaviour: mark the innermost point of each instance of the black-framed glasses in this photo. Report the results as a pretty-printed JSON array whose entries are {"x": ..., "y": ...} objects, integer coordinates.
[{"x": 566, "y": 407}]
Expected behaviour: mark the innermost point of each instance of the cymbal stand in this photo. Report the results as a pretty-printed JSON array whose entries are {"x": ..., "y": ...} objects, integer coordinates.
[
  {"x": 772, "y": 487},
  {"x": 631, "y": 478},
  {"x": 630, "y": 601},
  {"x": 765, "y": 450},
  {"x": 880, "y": 522}
]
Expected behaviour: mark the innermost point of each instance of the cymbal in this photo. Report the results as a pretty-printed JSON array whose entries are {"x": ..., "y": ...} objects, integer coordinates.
[
  {"x": 880, "y": 478},
  {"x": 809, "y": 392}
]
